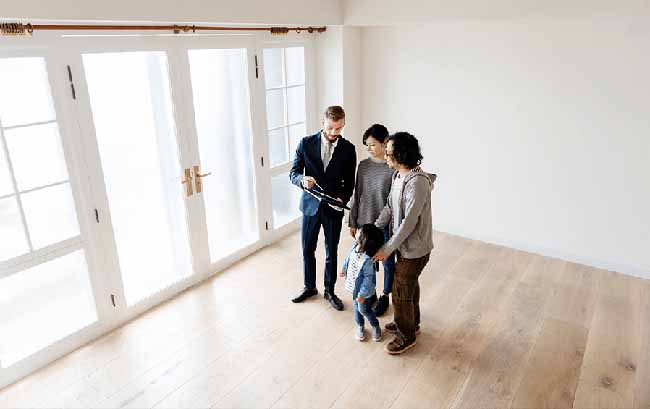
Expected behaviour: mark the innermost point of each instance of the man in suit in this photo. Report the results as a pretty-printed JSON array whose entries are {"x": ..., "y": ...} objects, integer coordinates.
[{"x": 328, "y": 160}]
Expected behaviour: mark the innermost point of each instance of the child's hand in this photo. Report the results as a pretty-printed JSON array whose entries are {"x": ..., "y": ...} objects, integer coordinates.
[
  {"x": 360, "y": 300},
  {"x": 342, "y": 273}
]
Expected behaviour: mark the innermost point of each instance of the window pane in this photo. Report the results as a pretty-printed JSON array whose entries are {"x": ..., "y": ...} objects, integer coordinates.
[
  {"x": 286, "y": 200},
  {"x": 275, "y": 108},
  {"x": 139, "y": 155},
  {"x": 278, "y": 146},
  {"x": 296, "y": 133},
  {"x": 50, "y": 214},
  {"x": 222, "y": 117},
  {"x": 296, "y": 102},
  {"x": 273, "y": 74},
  {"x": 43, "y": 304},
  {"x": 37, "y": 156},
  {"x": 13, "y": 241},
  {"x": 6, "y": 185},
  {"x": 25, "y": 96},
  {"x": 295, "y": 62}
]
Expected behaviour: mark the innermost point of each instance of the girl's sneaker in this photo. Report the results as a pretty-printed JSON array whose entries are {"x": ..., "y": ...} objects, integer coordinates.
[
  {"x": 376, "y": 333},
  {"x": 360, "y": 333}
]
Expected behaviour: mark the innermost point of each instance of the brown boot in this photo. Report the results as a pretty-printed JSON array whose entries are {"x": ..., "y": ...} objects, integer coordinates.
[
  {"x": 391, "y": 327},
  {"x": 399, "y": 345}
]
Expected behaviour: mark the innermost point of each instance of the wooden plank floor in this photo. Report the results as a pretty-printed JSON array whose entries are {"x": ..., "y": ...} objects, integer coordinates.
[{"x": 500, "y": 328}]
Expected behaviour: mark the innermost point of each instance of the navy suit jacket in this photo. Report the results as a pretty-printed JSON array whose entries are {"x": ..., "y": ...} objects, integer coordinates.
[{"x": 337, "y": 180}]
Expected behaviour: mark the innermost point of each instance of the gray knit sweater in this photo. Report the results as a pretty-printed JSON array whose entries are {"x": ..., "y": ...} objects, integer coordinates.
[{"x": 370, "y": 192}]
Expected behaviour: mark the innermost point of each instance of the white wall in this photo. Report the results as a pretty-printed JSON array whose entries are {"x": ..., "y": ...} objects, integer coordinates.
[
  {"x": 352, "y": 86},
  {"x": 218, "y": 11},
  {"x": 388, "y": 12},
  {"x": 338, "y": 74},
  {"x": 539, "y": 129},
  {"x": 329, "y": 68}
]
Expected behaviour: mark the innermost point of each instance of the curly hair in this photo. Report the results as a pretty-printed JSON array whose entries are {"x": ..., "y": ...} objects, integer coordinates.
[{"x": 406, "y": 149}]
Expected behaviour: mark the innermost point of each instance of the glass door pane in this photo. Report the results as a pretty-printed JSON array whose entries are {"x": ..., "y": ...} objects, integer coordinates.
[
  {"x": 222, "y": 116},
  {"x": 136, "y": 134},
  {"x": 285, "y": 200},
  {"x": 43, "y": 304},
  {"x": 45, "y": 289}
]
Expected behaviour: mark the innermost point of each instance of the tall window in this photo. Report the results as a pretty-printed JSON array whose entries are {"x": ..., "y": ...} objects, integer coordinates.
[
  {"x": 284, "y": 74},
  {"x": 36, "y": 208},
  {"x": 45, "y": 291}
]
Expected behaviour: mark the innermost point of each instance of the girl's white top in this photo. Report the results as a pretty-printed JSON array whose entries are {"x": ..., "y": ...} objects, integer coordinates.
[{"x": 355, "y": 263}]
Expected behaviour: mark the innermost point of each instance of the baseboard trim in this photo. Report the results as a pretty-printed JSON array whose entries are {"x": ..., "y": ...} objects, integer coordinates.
[{"x": 554, "y": 253}]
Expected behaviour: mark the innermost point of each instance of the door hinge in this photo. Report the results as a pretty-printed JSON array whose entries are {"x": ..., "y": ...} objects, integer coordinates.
[
  {"x": 267, "y": 225},
  {"x": 262, "y": 160},
  {"x": 113, "y": 300},
  {"x": 74, "y": 93},
  {"x": 257, "y": 68},
  {"x": 97, "y": 215}
]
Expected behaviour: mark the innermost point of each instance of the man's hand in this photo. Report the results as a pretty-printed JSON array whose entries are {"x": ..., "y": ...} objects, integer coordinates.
[
  {"x": 360, "y": 300},
  {"x": 339, "y": 209},
  {"x": 353, "y": 232},
  {"x": 342, "y": 273},
  {"x": 308, "y": 182},
  {"x": 380, "y": 256}
]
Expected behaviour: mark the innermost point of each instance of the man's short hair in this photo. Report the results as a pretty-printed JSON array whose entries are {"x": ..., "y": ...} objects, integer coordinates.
[
  {"x": 377, "y": 131},
  {"x": 406, "y": 149},
  {"x": 335, "y": 113}
]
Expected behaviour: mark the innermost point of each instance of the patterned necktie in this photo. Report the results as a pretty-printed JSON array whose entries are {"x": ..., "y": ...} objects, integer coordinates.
[{"x": 328, "y": 154}]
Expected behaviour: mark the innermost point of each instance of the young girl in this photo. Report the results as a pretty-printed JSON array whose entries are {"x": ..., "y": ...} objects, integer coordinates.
[
  {"x": 360, "y": 278},
  {"x": 374, "y": 178}
]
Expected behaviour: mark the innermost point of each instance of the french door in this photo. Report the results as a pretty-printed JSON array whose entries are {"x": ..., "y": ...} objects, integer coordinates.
[
  {"x": 131, "y": 168},
  {"x": 227, "y": 211},
  {"x": 173, "y": 143}
]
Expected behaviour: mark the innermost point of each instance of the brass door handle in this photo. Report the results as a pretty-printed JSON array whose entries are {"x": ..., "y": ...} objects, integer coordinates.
[
  {"x": 187, "y": 181},
  {"x": 198, "y": 183}
]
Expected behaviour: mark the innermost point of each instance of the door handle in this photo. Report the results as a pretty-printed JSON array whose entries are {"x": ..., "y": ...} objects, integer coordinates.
[
  {"x": 198, "y": 183},
  {"x": 187, "y": 181}
]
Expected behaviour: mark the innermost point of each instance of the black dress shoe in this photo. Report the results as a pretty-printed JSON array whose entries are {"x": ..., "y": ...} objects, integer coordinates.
[
  {"x": 335, "y": 302},
  {"x": 382, "y": 305},
  {"x": 306, "y": 293}
]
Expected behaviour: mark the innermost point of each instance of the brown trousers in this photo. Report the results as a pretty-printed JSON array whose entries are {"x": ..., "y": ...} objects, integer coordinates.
[{"x": 406, "y": 294}]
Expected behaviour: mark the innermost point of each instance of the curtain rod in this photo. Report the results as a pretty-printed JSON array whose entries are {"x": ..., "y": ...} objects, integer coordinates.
[{"x": 18, "y": 29}]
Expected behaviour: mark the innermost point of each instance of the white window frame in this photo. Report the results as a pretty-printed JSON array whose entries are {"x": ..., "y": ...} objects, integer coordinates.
[{"x": 61, "y": 52}]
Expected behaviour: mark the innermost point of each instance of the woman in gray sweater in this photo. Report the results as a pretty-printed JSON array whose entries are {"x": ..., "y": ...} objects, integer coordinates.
[{"x": 372, "y": 187}]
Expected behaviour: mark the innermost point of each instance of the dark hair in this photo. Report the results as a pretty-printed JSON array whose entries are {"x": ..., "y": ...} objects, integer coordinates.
[
  {"x": 377, "y": 131},
  {"x": 371, "y": 239},
  {"x": 334, "y": 112},
  {"x": 406, "y": 149}
]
